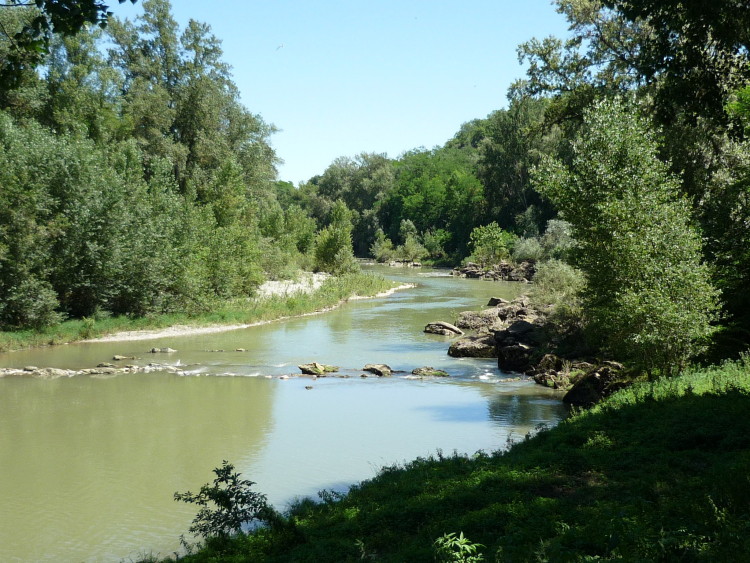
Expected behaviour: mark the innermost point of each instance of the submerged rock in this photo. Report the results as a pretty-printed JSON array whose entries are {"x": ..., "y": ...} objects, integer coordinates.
[
  {"x": 428, "y": 371},
  {"x": 163, "y": 350}
]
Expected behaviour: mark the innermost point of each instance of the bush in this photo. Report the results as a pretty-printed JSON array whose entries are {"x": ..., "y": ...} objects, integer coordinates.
[
  {"x": 490, "y": 244},
  {"x": 527, "y": 249},
  {"x": 382, "y": 247},
  {"x": 226, "y": 505},
  {"x": 30, "y": 304}
]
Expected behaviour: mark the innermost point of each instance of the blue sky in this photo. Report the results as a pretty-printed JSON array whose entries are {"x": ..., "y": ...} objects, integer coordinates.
[{"x": 343, "y": 77}]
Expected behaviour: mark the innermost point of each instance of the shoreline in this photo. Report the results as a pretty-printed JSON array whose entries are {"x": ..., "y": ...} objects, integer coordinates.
[{"x": 185, "y": 330}]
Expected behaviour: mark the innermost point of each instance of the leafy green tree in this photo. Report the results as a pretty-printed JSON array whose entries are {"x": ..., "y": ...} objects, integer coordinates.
[
  {"x": 333, "y": 244},
  {"x": 490, "y": 244},
  {"x": 515, "y": 141},
  {"x": 648, "y": 295},
  {"x": 47, "y": 17},
  {"x": 382, "y": 247},
  {"x": 412, "y": 249}
]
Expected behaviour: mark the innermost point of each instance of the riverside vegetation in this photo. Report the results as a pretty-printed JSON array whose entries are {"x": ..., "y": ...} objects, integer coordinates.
[
  {"x": 657, "y": 472},
  {"x": 139, "y": 186}
]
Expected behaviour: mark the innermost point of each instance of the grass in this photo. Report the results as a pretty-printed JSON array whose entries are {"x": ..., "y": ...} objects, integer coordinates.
[
  {"x": 658, "y": 472},
  {"x": 242, "y": 311}
]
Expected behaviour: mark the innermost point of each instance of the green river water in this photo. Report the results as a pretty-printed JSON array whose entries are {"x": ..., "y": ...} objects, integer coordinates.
[{"x": 88, "y": 465}]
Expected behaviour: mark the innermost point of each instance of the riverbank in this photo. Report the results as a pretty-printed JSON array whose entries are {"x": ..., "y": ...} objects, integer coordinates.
[
  {"x": 312, "y": 294},
  {"x": 655, "y": 472}
]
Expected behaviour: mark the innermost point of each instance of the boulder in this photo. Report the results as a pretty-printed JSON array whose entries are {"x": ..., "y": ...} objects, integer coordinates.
[
  {"x": 443, "y": 328},
  {"x": 495, "y": 301},
  {"x": 427, "y": 371},
  {"x": 381, "y": 370},
  {"x": 595, "y": 385},
  {"x": 162, "y": 350},
  {"x": 519, "y": 331},
  {"x": 515, "y": 357},
  {"x": 315, "y": 368},
  {"x": 478, "y": 346},
  {"x": 474, "y": 320}
]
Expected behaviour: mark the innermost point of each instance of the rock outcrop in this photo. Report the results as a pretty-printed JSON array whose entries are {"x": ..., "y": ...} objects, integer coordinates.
[
  {"x": 523, "y": 272},
  {"x": 475, "y": 320},
  {"x": 596, "y": 384},
  {"x": 477, "y": 346}
]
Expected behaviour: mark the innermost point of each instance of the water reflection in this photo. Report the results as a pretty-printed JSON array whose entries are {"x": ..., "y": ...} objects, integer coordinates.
[{"x": 93, "y": 462}]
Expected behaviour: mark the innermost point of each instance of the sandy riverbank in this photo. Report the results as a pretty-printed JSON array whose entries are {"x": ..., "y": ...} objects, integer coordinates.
[{"x": 308, "y": 283}]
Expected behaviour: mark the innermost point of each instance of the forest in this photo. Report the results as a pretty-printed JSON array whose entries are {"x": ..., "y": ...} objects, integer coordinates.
[{"x": 136, "y": 183}]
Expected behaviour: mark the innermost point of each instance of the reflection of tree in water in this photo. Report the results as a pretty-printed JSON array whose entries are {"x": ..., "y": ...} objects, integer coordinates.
[{"x": 523, "y": 412}]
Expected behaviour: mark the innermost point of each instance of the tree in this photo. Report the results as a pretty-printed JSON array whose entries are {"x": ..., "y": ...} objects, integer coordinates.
[
  {"x": 648, "y": 295},
  {"x": 382, "y": 248},
  {"x": 490, "y": 244},
  {"x": 333, "y": 245},
  {"x": 31, "y": 43}
]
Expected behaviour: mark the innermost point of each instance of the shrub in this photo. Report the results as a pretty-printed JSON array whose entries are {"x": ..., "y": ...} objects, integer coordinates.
[
  {"x": 490, "y": 244},
  {"x": 527, "y": 249},
  {"x": 382, "y": 247},
  {"x": 226, "y": 505}
]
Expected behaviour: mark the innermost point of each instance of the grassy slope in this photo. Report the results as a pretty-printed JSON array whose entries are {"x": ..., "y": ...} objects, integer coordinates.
[
  {"x": 332, "y": 292},
  {"x": 657, "y": 473}
]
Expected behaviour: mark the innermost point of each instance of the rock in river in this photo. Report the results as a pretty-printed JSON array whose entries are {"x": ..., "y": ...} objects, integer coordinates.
[
  {"x": 427, "y": 371},
  {"x": 479, "y": 346},
  {"x": 315, "y": 368},
  {"x": 378, "y": 369},
  {"x": 443, "y": 328}
]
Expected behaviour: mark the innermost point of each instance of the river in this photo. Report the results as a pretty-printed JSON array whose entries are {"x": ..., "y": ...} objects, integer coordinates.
[{"x": 89, "y": 465}]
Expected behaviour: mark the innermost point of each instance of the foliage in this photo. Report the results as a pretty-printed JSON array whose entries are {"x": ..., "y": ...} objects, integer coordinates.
[
  {"x": 557, "y": 283},
  {"x": 412, "y": 250},
  {"x": 382, "y": 247},
  {"x": 226, "y": 505},
  {"x": 333, "y": 245},
  {"x": 648, "y": 296},
  {"x": 527, "y": 249},
  {"x": 557, "y": 240},
  {"x": 31, "y": 43},
  {"x": 557, "y": 290},
  {"x": 490, "y": 244},
  {"x": 450, "y": 547},
  {"x": 333, "y": 292},
  {"x": 435, "y": 242}
]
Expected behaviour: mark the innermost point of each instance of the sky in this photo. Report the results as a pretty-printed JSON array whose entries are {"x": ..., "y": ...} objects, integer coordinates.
[{"x": 343, "y": 77}]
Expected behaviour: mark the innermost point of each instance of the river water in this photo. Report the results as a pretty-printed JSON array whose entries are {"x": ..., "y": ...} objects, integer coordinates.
[{"x": 89, "y": 465}]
